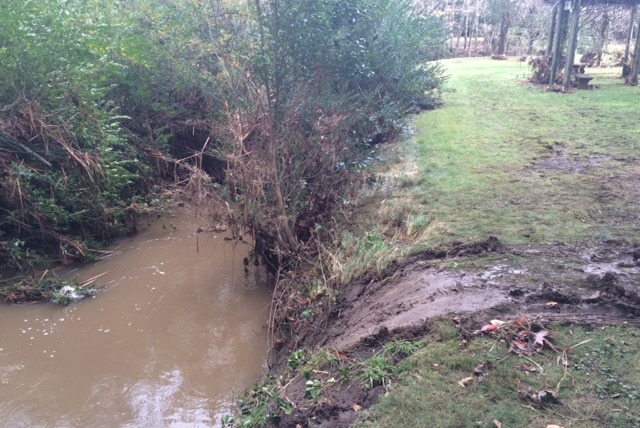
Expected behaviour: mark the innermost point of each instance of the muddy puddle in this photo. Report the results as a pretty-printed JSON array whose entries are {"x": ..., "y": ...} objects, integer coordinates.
[{"x": 172, "y": 341}]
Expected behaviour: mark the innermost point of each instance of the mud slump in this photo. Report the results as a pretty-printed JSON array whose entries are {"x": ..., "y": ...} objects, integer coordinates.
[{"x": 175, "y": 337}]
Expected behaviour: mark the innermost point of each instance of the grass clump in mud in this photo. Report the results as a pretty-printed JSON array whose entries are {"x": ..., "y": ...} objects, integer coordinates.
[
  {"x": 321, "y": 382},
  {"x": 583, "y": 377}
]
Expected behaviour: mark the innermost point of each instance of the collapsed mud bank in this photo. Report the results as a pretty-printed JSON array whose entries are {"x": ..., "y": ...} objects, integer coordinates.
[{"x": 593, "y": 284}]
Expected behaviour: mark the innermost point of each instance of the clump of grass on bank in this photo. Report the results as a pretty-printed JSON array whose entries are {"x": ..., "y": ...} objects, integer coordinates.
[
  {"x": 599, "y": 387},
  {"x": 313, "y": 378}
]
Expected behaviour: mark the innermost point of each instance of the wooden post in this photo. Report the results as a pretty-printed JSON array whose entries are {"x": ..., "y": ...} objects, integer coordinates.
[
  {"x": 573, "y": 42},
  {"x": 558, "y": 42}
]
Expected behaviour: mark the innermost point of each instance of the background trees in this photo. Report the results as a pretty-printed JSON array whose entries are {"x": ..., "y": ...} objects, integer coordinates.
[
  {"x": 97, "y": 100},
  {"x": 485, "y": 27}
]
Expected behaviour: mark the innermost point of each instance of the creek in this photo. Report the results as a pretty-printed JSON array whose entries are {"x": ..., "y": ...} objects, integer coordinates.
[{"x": 173, "y": 339}]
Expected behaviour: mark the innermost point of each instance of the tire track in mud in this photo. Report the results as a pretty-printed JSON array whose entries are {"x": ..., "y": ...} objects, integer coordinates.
[{"x": 600, "y": 292}]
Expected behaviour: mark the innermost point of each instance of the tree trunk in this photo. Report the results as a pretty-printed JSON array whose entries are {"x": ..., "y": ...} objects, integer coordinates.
[
  {"x": 625, "y": 61},
  {"x": 552, "y": 29},
  {"x": 633, "y": 77},
  {"x": 602, "y": 38},
  {"x": 476, "y": 26},
  {"x": 558, "y": 43},
  {"x": 467, "y": 39},
  {"x": 505, "y": 23},
  {"x": 573, "y": 42}
]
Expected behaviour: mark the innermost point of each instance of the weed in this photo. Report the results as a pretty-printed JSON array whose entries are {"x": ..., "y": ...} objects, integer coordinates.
[
  {"x": 313, "y": 387},
  {"x": 374, "y": 372},
  {"x": 402, "y": 349},
  {"x": 262, "y": 405},
  {"x": 296, "y": 358}
]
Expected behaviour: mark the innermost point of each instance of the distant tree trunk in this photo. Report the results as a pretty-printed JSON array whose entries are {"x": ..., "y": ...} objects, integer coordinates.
[
  {"x": 476, "y": 25},
  {"x": 558, "y": 43},
  {"x": 573, "y": 41},
  {"x": 602, "y": 38},
  {"x": 505, "y": 24},
  {"x": 632, "y": 18},
  {"x": 633, "y": 77},
  {"x": 466, "y": 34},
  {"x": 552, "y": 29}
]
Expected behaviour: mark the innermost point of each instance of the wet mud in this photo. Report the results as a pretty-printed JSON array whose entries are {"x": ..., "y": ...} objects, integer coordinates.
[{"x": 557, "y": 283}]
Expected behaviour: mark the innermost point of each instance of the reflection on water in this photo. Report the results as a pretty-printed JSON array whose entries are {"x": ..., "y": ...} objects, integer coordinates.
[{"x": 174, "y": 338}]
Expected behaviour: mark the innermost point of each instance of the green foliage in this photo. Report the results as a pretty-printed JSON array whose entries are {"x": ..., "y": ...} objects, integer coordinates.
[
  {"x": 72, "y": 174},
  {"x": 261, "y": 405},
  {"x": 375, "y": 371},
  {"x": 372, "y": 54},
  {"x": 91, "y": 93}
]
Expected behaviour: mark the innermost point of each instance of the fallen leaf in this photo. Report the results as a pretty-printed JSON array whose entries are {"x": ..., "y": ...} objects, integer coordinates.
[
  {"x": 540, "y": 337},
  {"x": 518, "y": 346},
  {"x": 339, "y": 355},
  {"x": 528, "y": 368},
  {"x": 464, "y": 382},
  {"x": 356, "y": 408},
  {"x": 497, "y": 423},
  {"x": 497, "y": 323},
  {"x": 489, "y": 327},
  {"x": 552, "y": 304},
  {"x": 479, "y": 370},
  {"x": 522, "y": 322},
  {"x": 554, "y": 426}
]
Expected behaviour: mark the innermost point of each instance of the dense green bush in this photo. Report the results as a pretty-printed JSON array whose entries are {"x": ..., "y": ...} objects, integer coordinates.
[
  {"x": 289, "y": 93},
  {"x": 326, "y": 79}
]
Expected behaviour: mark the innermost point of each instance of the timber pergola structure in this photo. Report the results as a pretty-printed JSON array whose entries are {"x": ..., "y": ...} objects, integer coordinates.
[{"x": 567, "y": 13}]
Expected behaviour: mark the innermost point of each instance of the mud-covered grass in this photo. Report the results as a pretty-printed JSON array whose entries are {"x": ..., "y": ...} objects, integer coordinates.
[{"x": 591, "y": 379}]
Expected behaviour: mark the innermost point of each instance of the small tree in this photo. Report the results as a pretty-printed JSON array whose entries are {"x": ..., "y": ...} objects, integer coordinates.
[{"x": 325, "y": 79}]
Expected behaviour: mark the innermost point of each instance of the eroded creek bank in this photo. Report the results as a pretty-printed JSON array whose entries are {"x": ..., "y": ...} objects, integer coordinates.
[
  {"x": 594, "y": 285},
  {"x": 173, "y": 339}
]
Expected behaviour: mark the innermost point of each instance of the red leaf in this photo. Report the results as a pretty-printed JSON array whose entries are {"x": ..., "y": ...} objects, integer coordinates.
[
  {"x": 520, "y": 345},
  {"x": 489, "y": 327},
  {"x": 339, "y": 355}
]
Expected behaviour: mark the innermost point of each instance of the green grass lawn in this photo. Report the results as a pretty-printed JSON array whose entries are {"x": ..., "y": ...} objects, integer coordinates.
[
  {"x": 506, "y": 158},
  {"x": 598, "y": 387}
]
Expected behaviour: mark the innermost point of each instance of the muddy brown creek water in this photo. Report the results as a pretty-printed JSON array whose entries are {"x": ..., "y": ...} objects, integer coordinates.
[{"x": 174, "y": 338}]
